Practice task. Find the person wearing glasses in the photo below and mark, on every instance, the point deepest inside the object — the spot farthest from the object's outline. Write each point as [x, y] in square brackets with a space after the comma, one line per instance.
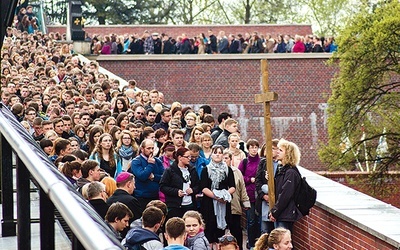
[127, 148]
[228, 242]
[217, 184]
[180, 184]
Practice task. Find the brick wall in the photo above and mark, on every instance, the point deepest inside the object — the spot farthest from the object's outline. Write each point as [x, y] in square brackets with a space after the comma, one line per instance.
[230, 83]
[387, 190]
[324, 230]
[191, 30]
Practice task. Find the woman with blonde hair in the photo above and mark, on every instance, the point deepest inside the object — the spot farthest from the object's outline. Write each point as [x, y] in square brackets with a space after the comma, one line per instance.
[195, 136]
[206, 144]
[287, 179]
[279, 239]
[109, 123]
[194, 224]
[237, 154]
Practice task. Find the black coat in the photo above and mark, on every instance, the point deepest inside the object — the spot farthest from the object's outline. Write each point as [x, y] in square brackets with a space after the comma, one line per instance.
[100, 206]
[287, 181]
[172, 181]
[131, 202]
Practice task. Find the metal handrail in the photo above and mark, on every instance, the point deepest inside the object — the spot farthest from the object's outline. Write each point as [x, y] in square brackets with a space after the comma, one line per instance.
[64, 199]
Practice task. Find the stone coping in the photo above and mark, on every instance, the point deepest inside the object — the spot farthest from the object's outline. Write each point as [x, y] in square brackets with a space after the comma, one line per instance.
[380, 219]
[191, 57]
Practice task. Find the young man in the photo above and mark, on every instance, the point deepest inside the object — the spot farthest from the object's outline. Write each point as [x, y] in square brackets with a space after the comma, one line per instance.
[175, 233]
[90, 172]
[230, 126]
[117, 218]
[146, 236]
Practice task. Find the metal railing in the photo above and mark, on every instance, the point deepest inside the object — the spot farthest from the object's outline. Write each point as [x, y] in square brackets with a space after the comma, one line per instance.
[55, 192]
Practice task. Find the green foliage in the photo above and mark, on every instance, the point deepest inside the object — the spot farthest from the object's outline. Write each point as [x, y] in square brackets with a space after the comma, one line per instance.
[365, 94]
[128, 12]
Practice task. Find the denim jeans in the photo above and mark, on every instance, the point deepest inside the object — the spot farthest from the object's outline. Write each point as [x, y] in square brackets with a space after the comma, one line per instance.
[253, 225]
[285, 224]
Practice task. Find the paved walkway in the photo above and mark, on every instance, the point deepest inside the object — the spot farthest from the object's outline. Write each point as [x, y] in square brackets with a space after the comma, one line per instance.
[10, 243]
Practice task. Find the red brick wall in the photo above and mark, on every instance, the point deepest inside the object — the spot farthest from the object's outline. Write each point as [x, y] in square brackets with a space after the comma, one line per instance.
[303, 85]
[191, 30]
[323, 230]
[387, 191]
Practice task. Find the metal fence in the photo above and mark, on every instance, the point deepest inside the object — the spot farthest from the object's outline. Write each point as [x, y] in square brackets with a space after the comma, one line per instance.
[55, 191]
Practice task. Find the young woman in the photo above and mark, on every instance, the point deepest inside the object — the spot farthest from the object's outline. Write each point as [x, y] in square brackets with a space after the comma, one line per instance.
[279, 239]
[105, 156]
[195, 136]
[122, 120]
[109, 123]
[196, 240]
[167, 151]
[94, 135]
[206, 144]
[180, 184]
[80, 135]
[72, 170]
[237, 154]
[217, 183]
[127, 148]
[287, 179]
[120, 106]
[115, 132]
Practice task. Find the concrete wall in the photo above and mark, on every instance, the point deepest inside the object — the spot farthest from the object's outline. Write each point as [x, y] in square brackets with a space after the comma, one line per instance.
[229, 83]
[190, 30]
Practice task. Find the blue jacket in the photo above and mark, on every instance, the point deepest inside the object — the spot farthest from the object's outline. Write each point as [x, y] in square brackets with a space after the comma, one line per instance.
[146, 188]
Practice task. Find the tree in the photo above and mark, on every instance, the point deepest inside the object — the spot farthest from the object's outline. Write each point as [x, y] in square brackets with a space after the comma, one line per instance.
[128, 12]
[262, 11]
[364, 118]
[328, 15]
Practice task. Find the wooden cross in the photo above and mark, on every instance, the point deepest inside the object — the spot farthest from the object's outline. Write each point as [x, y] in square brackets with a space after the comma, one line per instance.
[266, 97]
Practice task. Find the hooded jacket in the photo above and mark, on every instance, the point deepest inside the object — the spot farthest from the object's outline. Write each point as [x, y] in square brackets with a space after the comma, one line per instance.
[144, 237]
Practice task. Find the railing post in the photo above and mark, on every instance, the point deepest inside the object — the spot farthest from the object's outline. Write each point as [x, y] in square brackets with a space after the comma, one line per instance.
[8, 225]
[24, 206]
[47, 233]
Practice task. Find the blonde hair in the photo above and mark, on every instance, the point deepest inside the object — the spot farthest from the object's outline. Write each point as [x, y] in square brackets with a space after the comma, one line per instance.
[266, 241]
[196, 215]
[292, 152]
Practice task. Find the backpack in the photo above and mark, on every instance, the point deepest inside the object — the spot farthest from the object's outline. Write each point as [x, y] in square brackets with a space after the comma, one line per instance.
[305, 196]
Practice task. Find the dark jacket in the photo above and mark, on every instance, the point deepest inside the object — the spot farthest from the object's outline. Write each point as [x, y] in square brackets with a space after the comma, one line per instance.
[172, 181]
[162, 125]
[234, 47]
[100, 206]
[185, 46]
[223, 139]
[286, 182]
[131, 202]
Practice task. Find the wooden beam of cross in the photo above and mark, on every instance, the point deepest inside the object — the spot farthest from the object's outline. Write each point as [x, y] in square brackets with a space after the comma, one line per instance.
[266, 97]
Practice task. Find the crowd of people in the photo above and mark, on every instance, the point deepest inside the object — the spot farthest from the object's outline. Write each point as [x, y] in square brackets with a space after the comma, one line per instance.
[147, 167]
[221, 43]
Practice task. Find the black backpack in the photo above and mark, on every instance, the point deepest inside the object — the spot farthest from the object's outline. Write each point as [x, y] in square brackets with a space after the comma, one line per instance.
[305, 196]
